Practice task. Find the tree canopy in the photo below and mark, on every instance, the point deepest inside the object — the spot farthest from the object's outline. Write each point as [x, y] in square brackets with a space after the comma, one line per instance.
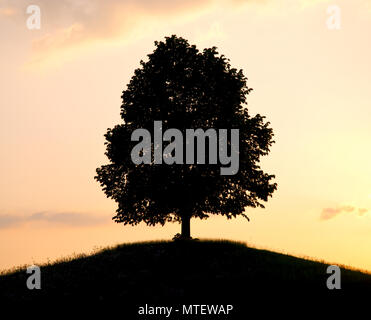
[185, 89]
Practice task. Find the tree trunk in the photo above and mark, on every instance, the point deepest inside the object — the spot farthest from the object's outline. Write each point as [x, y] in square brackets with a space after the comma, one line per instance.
[186, 227]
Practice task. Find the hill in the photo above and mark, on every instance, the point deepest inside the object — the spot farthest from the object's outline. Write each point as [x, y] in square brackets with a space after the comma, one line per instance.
[183, 272]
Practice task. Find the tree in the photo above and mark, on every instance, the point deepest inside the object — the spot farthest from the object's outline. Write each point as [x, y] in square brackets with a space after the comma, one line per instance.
[185, 88]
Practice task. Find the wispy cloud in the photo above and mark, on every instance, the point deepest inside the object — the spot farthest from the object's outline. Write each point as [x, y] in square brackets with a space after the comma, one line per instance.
[329, 213]
[7, 221]
[70, 23]
[362, 211]
[57, 218]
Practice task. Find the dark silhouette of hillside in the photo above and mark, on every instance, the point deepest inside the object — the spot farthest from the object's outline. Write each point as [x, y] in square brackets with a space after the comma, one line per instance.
[179, 272]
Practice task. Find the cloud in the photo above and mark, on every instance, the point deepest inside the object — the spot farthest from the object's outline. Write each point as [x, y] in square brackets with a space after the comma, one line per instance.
[329, 213]
[362, 211]
[7, 221]
[57, 218]
[69, 23]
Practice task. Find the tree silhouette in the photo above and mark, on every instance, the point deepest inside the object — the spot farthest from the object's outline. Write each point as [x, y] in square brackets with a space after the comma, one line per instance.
[185, 88]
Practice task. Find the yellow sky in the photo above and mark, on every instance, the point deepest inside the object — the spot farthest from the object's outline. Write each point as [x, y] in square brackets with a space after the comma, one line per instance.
[61, 88]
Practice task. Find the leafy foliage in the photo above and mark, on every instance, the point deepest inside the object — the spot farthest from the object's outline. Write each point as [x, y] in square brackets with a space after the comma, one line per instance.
[186, 89]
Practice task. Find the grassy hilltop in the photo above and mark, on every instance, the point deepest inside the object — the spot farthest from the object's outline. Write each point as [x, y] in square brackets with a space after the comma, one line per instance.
[193, 272]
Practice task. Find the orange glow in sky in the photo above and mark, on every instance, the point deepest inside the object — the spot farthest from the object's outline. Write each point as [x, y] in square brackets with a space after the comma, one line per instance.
[61, 87]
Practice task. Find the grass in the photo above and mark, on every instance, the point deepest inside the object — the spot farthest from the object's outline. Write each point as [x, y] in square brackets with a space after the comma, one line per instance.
[169, 272]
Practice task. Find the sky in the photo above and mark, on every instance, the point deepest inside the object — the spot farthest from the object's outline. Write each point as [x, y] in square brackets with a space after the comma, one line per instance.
[307, 61]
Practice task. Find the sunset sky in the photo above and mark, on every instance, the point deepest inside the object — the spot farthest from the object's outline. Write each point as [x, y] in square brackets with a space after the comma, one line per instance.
[61, 87]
